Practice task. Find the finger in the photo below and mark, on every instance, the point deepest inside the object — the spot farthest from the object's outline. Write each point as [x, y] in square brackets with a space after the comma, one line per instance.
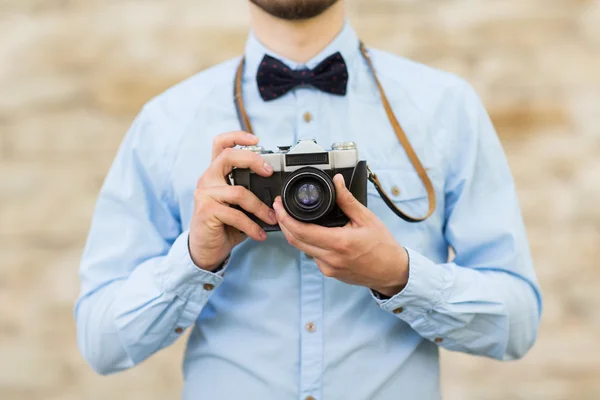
[244, 198]
[238, 237]
[239, 158]
[237, 219]
[326, 269]
[311, 234]
[347, 202]
[232, 139]
[313, 251]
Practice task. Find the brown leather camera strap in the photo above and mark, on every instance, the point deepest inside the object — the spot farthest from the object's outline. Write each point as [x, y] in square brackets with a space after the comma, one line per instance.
[239, 99]
[412, 156]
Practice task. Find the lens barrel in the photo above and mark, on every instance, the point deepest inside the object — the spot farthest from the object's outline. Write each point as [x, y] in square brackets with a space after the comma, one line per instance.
[308, 194]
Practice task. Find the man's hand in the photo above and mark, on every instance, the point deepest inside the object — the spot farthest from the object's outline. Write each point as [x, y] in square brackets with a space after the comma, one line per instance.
[364, 252]
[216, 228]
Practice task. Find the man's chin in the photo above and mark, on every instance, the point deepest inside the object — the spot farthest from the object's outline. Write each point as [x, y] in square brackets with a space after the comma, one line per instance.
[294, 10]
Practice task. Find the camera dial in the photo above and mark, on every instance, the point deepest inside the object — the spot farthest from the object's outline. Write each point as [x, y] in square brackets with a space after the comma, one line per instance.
[343, 146]
[254, 149]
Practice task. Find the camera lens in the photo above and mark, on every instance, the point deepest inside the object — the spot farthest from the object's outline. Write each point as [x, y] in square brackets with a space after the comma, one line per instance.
[308, 194]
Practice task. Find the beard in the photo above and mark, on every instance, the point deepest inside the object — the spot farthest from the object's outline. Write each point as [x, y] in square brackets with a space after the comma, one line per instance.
[294, 9]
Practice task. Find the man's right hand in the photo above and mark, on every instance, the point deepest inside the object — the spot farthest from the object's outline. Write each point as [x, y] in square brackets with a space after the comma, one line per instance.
[216, 228]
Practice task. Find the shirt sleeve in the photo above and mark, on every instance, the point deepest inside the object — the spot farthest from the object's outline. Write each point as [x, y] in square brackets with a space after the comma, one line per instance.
[486, 301]
[139, 286]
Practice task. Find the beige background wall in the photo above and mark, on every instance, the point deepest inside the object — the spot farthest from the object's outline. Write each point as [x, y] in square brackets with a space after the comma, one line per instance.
[73, 73]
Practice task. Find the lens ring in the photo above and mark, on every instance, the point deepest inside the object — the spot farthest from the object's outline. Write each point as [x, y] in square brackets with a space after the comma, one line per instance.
[316, 177]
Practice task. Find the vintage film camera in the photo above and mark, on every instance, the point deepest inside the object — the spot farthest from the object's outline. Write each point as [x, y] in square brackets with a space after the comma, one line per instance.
[303, 177]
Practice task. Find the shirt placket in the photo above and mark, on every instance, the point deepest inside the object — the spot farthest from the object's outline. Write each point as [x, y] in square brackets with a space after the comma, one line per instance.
[307, 116]
[311, 279]
[311, 335]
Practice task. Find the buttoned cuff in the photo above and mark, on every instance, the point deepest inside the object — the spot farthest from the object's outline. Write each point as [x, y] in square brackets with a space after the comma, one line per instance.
[424, 290]
[178, 274]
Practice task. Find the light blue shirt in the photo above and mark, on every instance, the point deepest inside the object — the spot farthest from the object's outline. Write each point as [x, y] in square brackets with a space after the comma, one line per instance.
[270, 325]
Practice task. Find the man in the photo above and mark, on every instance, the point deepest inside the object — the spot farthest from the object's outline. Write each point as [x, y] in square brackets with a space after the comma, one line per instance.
[356, 312]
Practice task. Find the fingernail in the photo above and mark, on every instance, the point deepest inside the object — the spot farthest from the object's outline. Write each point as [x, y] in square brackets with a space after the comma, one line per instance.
[272, 216]
[262, 234]
[268, 168]
[250, 136]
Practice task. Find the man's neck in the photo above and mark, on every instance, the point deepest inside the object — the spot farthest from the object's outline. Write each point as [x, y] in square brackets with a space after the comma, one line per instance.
[298, 41]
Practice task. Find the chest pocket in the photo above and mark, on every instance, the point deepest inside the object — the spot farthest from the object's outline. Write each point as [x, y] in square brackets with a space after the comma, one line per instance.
[405, 190]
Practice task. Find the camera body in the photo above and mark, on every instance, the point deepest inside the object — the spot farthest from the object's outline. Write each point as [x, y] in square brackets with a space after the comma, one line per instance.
[303, 177]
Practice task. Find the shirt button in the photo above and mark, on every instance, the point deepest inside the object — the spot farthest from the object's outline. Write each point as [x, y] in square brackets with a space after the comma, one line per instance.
[395, 190]
[311, 327]
[308, 117]
[438, 340]
[178, 330]
[209, 286]
[398, 310]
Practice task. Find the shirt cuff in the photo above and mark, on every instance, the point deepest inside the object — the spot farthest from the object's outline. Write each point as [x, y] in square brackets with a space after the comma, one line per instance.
[424, 290]
[178, 274]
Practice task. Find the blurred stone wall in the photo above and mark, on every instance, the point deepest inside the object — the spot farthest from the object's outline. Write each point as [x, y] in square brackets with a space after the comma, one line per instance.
[73, 73]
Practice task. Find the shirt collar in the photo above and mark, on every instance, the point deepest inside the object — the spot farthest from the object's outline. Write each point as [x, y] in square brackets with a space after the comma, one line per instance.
[346, 42]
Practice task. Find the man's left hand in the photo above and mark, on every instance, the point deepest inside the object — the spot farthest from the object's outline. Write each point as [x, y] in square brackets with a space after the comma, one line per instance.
[364, 252]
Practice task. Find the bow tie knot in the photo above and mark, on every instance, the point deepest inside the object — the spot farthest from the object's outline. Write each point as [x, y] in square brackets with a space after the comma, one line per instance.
[275, 79]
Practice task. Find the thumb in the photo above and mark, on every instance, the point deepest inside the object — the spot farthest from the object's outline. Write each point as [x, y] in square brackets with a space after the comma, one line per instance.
[347, 202]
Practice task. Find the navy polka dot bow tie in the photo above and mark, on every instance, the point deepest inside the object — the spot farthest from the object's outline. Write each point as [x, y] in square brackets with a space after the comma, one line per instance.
[275, 79]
